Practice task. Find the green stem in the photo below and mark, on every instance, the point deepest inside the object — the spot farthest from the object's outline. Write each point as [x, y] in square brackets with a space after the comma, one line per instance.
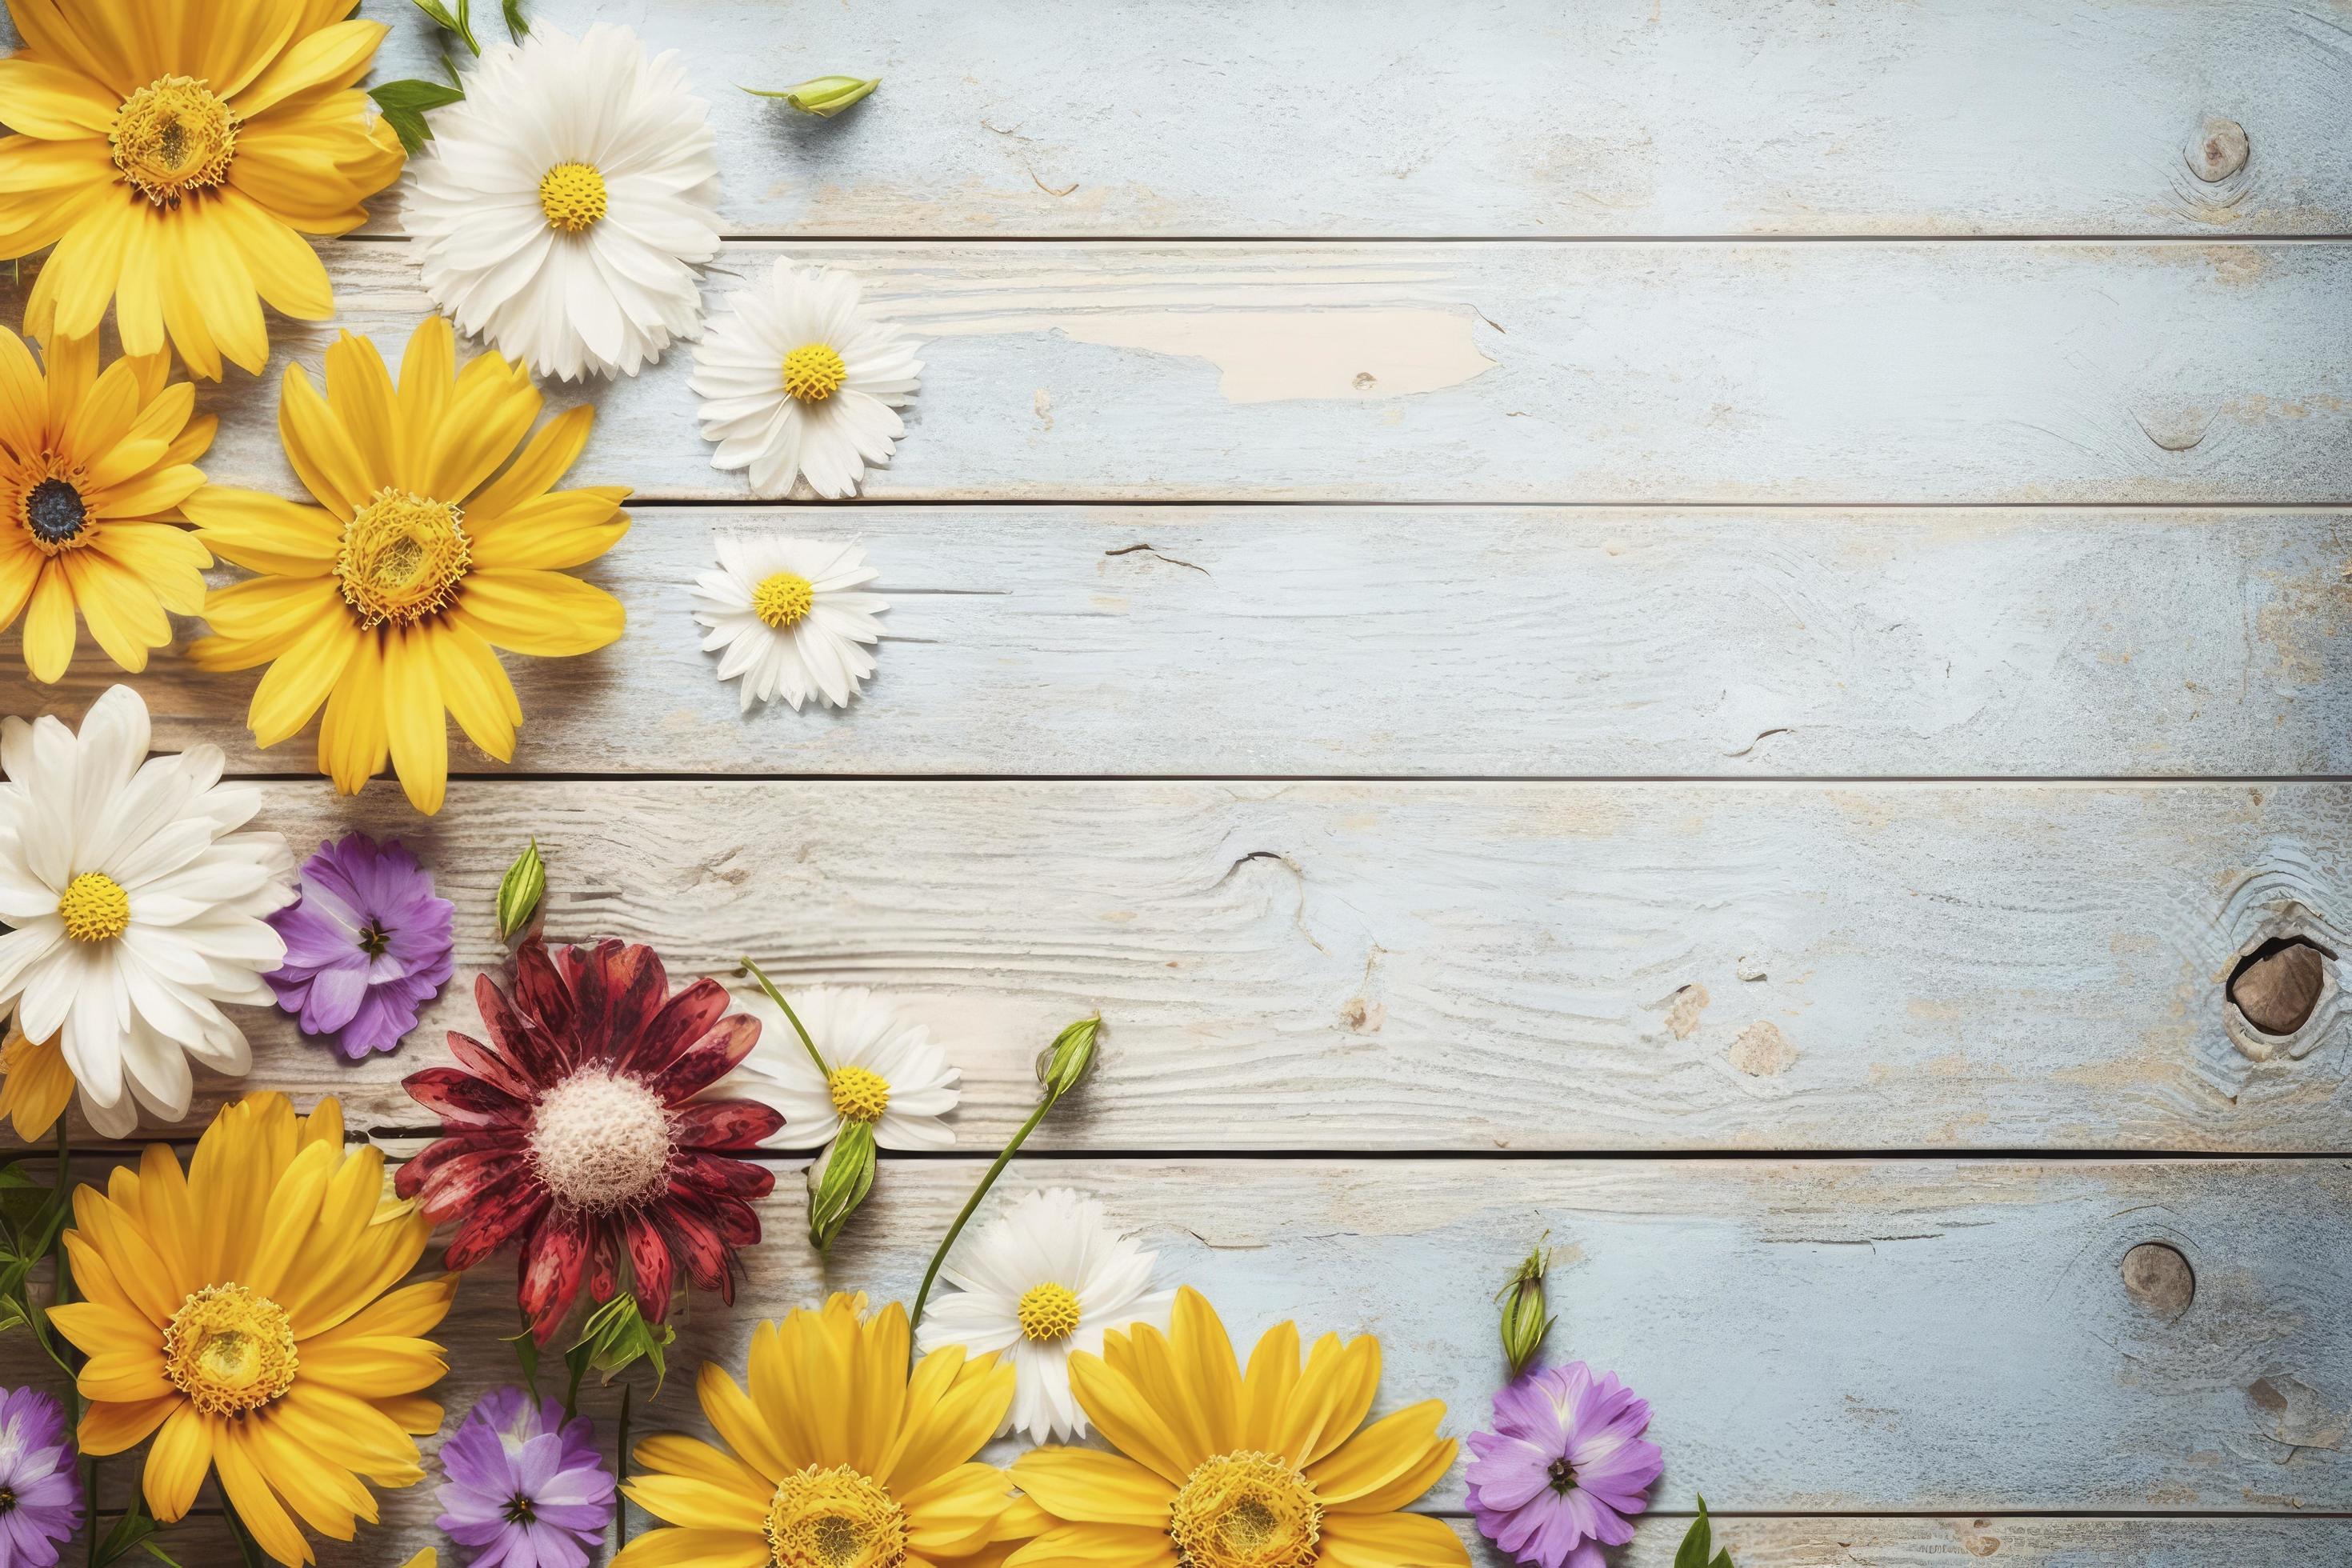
[620, 1471]
[571, 1391]
[248, 1548]
[931, 1274]
[777, 996]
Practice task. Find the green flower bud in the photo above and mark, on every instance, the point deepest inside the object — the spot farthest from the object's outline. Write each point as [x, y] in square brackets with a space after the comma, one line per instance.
[520, 892]
[835, 1190]
[1065, 1064]
[1524, 1323]
[824, 96]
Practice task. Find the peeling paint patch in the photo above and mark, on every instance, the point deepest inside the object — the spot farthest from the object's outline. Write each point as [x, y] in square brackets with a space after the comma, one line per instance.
[1762, 1050]
[1682, 1018]
[1277, 356]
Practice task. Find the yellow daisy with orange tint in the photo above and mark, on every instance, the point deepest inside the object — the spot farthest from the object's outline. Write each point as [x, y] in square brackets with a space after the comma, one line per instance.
[93, 470]
[426, 550]
[244, 1313]
[1219, 1467]
[176, 152]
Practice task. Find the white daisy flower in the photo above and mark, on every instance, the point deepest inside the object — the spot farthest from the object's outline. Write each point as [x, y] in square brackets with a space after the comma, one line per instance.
[795, 377]
[785, 612]
[137, 907]
[564, 205]
[885, 1070]
[1047, 1278]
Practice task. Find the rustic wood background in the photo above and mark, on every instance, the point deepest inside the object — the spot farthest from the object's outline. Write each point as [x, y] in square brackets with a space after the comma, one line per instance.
[1702, 625]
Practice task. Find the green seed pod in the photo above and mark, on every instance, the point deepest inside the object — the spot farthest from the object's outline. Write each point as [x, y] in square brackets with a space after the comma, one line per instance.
[1525, 1323]
[1065, 1064]
[824, 96]
[520, 892]
[835, 1192]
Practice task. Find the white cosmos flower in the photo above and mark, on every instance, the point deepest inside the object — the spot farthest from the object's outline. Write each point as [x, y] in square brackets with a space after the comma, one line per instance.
[1047, 1278]
[885, 1070]
[138, 907]
[795, 377]
[564, 205]
[786, 612]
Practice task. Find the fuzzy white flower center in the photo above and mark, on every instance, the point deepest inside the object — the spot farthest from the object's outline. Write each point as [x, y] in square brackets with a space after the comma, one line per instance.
[172, 137]
[1048, 1311]
[859, 1095]
[600, 1140]
[572, 198]
[814, 371]
[94, 908]
[784, 599]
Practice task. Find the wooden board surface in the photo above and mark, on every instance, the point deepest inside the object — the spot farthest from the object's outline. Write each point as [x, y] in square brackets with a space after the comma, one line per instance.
[1400, 641]
[1461, 967]
[1176, 118]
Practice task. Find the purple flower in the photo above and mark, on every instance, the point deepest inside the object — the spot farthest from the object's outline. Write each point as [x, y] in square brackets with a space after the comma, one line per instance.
[1563, 1467]
[366, 948]
[40, 1491]
[525, 1486]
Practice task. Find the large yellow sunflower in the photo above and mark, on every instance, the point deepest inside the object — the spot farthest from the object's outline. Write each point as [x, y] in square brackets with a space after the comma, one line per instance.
[93, 469]
[239, 1313]
[842, 1457]
[1219, 1469]
[383, 601]
[175, 151]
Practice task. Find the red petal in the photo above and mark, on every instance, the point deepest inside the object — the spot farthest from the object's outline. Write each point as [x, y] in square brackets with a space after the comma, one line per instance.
[411, 1176]
[505, 1215]
[492, 1068]
[696, 1243]
[722, 1124]
[605, 1273]
[552, 1262]
[461, 1100]
[707, 1060]
[621, 987]
[541, 994]
[453, 1186]
[736, 1178]
[650, 1261]
[536, 1056]
[683, 1019]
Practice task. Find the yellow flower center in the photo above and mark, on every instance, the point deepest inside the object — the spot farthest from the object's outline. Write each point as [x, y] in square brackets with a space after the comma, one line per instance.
[172, 137]
[1049, 1311]
[813, 372]
[229, 1349]
[1245, 1510]
[572, 198]
[49, 505]
[94, 908]
[600, 1140]
[402, 555]
[859, 1095]
[834, 1519]
[783, 598]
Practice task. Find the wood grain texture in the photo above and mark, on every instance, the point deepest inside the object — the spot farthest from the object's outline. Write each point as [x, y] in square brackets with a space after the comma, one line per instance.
[1590, 643]
[1834, 374]
[1512, 117]
[1461, 967]
[1753, 1302]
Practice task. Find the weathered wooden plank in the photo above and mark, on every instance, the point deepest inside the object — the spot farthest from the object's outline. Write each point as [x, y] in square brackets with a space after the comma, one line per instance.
[1143, 641]
[1755, 1543]
[1515, 116]
[1394, 965]
[1832, 375]
[1849, 1337]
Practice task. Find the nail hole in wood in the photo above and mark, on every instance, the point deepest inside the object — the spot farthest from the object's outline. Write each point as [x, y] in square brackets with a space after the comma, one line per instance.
[2277, 985]
[2158, 1278]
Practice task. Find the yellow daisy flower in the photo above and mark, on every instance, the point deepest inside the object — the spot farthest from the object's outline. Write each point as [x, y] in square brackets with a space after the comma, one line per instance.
[842, 1457]
[384, 600]
[93, 470]
[175, 153]
[1221, 1468]
[239, 1313]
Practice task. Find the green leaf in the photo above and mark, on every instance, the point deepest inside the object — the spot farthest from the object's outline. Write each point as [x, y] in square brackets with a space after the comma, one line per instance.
[520, 892]
[461, 23]
[824, 96]
[130, 1532]
[616, 1337]
[517, 28]
[1699, 1542]
[526, 1344]
[847, 1177]
[403, 103]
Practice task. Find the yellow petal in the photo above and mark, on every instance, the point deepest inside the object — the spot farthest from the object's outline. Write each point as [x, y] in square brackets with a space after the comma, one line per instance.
[178, 1463]
[1389, 1447]
[337, 55]
[546, 614]
[694, 1549]
[323, 452]
[415, 720]
[1120, 1411]
[263, 533]
[1083, 1485]
[480, 697]
[257, 1505]
[299, 680]
[284, 271]
[568, 528]
[354, 742]
[1390, 1540]
[49, 627]
[545, 459]
[111, 1429]
[54, 103]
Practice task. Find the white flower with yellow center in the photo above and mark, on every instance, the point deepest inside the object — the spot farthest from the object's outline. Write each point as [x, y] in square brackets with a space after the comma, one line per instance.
[1048, 1276]
[790, 620]
[565, 205]
[796, 378]
[138, 908]
[883, 1070]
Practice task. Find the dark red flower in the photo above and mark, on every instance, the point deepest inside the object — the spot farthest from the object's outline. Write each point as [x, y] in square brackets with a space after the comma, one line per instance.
[575, 1136]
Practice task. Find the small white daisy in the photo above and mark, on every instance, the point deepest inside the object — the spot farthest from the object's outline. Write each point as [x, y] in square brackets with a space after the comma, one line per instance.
[1048, 1277]
[564, 205]
[785, 612]
[885, 1070]
[138, 908]
[795, 377]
